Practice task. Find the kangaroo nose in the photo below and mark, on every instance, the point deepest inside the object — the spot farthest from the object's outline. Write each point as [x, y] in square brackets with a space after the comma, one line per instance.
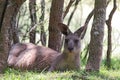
[70, 48]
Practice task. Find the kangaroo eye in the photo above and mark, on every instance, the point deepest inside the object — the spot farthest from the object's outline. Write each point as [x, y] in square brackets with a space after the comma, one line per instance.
[66, 40]
[76, 41]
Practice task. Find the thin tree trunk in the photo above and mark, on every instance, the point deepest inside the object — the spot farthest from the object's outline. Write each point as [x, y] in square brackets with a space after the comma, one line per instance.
[86, 22]
[67, 8]
[55, 17]
[43, 35]
[108, 22]
[32, 5]
[97, 34]
[14, 26]
[70, 18]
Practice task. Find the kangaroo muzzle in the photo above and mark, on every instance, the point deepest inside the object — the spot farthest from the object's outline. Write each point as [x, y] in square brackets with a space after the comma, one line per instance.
[71, 45]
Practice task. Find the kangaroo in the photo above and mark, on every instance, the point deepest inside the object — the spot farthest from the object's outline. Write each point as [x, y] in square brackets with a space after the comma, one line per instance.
[70, 58]
[27, 56]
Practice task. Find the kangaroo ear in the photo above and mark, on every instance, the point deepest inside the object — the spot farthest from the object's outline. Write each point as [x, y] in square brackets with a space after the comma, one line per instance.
[80, 31]
[64, 28]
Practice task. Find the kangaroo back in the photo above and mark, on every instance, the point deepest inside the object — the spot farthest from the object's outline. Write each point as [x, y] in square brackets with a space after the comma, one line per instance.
[17, 51]
[27, 56]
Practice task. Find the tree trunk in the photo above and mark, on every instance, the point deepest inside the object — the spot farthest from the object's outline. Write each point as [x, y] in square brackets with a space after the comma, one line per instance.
[55, 17]
[6, 29]
[14, 26]
[5, 35]
[97, 34]
[32, 5]
[3, 6]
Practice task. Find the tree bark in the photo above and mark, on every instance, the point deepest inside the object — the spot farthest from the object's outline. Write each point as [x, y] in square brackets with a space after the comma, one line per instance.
[97, 34]
[32, 5]
[3, 6]
[6, 29]
[55, 17]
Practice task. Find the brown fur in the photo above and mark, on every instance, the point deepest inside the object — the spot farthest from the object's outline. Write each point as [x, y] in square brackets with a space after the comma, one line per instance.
[70, 58]
[31, 57]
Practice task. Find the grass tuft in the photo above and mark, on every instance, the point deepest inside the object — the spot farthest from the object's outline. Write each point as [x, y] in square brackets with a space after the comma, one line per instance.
[104, 74]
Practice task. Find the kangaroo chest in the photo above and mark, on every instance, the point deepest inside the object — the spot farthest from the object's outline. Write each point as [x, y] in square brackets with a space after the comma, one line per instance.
[66, 64]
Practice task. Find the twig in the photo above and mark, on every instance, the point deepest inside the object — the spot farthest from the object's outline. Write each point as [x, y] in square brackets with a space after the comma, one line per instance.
[76, 4]
[111, 13]
[29, 30]
[68, 7]
[86, 22]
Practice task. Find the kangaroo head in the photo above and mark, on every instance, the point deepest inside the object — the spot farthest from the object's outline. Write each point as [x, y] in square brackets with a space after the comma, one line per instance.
[72, 40]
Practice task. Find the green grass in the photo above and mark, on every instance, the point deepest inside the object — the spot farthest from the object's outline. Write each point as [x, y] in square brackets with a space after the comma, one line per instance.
[104, 74]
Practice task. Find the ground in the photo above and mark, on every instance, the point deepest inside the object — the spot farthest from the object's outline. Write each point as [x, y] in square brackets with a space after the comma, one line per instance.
[104, 74]
[11, 74]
